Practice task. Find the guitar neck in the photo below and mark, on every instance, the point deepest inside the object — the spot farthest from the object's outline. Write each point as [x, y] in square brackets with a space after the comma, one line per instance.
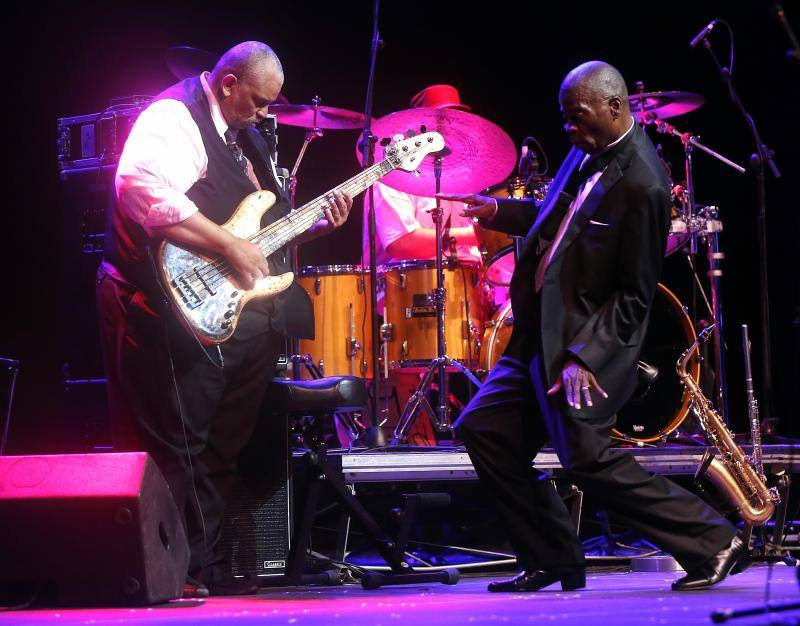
[279, 233]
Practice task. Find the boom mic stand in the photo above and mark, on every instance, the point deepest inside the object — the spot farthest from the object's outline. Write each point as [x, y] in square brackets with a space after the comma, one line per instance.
[704, 223]
[763, 155]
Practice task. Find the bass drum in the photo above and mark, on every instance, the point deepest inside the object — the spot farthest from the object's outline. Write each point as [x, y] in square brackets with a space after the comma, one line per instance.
[666, 404]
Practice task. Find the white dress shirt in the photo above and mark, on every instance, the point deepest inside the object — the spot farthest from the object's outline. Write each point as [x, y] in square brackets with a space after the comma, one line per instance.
[163, 157]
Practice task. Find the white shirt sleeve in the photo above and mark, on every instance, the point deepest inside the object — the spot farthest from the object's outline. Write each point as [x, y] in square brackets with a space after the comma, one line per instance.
[163, 157]
[395, 214]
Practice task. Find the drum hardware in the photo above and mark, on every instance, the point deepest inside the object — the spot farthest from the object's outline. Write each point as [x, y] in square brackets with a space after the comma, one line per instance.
[700, 224]
[439, 365]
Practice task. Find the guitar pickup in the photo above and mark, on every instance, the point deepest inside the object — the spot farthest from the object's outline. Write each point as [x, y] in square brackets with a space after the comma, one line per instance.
[188, 293]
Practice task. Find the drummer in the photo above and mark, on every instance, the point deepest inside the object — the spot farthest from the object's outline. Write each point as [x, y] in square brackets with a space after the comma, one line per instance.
[404, 225]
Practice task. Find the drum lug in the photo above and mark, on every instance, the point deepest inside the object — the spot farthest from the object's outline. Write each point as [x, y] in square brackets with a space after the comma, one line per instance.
[404, 349]
[387, 332]
[403, 280]
[321, 367]
[352, 346]
[360, 285]
[364, 367]
[317, 285]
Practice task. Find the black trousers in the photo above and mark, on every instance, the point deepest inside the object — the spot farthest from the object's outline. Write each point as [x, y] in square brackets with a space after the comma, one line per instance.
[169, 398]
[511, 418]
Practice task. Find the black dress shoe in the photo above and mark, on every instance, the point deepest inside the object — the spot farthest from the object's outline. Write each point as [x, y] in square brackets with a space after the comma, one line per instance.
[533, 580]
[714, 570]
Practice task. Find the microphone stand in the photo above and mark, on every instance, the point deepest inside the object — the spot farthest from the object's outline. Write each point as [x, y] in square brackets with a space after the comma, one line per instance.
[704, 223]
[368, 152]
[757, 160]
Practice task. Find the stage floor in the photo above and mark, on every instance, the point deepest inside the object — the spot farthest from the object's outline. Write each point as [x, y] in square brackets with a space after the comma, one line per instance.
[624, 598]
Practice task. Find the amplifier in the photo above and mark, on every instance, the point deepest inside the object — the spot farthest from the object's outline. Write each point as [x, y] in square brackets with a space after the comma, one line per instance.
[256, 528]
[96, 139]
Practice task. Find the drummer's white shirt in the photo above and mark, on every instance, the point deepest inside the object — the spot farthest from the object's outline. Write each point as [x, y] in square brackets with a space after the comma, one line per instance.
[163, 157]
[398, 213]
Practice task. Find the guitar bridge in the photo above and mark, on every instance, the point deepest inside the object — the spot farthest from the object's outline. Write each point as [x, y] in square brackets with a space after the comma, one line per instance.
[188, 293]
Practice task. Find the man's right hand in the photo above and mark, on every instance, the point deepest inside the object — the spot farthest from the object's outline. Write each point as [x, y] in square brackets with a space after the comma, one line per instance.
[247, 261]
[476, 206]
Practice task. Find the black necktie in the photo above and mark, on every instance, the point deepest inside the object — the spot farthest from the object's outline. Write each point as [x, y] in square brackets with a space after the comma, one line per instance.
[236, 151]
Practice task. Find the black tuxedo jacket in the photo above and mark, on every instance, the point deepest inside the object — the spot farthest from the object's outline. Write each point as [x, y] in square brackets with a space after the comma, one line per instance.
[597, 291]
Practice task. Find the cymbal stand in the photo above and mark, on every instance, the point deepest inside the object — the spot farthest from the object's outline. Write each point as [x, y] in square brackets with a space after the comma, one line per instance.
[418, 400]
[312, 133]
[703, 222]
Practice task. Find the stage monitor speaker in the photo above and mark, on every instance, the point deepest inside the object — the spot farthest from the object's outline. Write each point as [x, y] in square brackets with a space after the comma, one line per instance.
[89, 529]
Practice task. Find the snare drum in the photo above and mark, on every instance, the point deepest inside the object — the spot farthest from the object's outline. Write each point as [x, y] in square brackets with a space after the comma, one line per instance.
[342, 344]
[411, 312]
[666, 404]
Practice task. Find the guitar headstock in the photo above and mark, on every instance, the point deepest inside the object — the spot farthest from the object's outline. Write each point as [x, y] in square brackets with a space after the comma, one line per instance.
[407, 154]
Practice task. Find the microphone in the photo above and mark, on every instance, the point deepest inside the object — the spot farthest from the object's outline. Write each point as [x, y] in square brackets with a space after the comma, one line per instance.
[528, 160]
[703, 33]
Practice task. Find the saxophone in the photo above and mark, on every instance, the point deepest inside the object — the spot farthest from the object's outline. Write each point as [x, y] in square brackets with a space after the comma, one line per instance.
[730, 469]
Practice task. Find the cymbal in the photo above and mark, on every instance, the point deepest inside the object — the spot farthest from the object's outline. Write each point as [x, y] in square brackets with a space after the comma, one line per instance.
[664, 104]
[477, 152]
[328, 118]
[185, 61]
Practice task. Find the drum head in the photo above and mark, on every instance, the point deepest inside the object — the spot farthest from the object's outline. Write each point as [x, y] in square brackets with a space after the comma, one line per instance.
[665, 405]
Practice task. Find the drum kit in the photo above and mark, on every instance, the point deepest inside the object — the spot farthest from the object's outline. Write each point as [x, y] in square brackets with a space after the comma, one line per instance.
[448, 315]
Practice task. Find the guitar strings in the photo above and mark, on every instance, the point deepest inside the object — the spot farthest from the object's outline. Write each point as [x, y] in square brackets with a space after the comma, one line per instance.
[310, 213]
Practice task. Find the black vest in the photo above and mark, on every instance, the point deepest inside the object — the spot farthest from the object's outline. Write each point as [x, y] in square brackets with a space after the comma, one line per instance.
[217, 196]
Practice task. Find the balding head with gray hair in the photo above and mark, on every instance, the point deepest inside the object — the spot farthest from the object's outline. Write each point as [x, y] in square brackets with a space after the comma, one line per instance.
[246, 80]
[247, 61]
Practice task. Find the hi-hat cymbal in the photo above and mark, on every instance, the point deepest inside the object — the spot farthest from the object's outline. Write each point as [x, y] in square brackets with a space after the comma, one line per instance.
[185, 61]
[309, 116]
[664, 104]
[477, 152]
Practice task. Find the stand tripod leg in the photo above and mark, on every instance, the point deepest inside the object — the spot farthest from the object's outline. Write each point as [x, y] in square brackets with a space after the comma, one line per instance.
[413, 405]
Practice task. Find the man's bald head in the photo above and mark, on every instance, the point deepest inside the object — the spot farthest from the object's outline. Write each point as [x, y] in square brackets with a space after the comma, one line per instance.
[246, 80]
[598, 79]
[594, 102]
[246, 61]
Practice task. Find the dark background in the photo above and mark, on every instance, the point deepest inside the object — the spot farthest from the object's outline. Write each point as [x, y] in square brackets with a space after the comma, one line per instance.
[506, 58]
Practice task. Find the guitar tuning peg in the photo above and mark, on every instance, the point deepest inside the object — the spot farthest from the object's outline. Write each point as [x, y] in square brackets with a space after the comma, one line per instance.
[385, 141]
[398, 137]
[423, 129]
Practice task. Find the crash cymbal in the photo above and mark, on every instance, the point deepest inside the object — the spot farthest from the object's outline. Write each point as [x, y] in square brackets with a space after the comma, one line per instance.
[664, 104]
[185, 61]
[327, 118]
[477, 152]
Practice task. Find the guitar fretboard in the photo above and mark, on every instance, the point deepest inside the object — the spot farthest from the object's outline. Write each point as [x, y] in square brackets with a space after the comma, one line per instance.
[279, 233]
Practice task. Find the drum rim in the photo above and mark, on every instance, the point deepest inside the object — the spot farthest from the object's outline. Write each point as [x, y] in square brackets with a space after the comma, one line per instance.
[681, 414]
[487, 264]
[331, 270]
[428, 264]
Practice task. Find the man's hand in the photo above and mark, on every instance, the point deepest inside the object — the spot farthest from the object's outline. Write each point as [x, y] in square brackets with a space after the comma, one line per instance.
[576, 380]
[339, 205]
[247, 261]
[477, 206]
